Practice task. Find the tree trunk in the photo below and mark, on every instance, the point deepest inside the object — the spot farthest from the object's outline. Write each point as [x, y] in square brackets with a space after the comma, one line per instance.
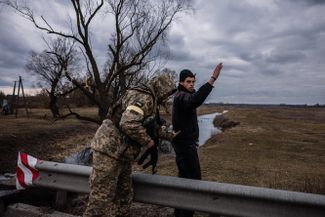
[105, 103]
[54, 105]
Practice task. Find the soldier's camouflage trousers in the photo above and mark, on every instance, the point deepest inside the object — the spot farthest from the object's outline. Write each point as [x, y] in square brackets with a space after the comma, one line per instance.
[111, 187]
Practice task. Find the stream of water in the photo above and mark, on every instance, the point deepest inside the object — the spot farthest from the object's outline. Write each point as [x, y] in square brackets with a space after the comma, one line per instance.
[206, 127]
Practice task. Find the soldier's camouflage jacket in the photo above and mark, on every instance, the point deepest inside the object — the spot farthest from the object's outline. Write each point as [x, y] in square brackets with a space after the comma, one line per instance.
[138, 104]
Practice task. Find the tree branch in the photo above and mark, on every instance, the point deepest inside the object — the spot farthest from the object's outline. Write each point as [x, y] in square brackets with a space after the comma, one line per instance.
[78, 116]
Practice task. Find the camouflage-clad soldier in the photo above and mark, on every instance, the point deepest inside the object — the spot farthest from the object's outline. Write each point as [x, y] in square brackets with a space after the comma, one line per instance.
[115, 147]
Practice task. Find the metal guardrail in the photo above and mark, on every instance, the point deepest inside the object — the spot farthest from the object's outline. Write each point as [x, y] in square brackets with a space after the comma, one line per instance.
[209, 197]
[62, 176]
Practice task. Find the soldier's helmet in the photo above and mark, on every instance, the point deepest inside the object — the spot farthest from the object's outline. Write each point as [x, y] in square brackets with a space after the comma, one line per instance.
[164, 85]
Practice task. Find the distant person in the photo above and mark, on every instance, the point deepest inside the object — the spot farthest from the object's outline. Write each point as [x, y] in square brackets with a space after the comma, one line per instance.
[5, 106]
[184, 119]
[117, 143]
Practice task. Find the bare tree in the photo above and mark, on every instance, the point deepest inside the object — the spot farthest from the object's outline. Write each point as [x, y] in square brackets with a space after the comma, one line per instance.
[140, 26]
[49, 66]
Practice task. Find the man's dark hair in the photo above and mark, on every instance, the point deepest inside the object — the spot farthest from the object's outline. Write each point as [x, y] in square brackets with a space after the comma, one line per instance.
[185, 73]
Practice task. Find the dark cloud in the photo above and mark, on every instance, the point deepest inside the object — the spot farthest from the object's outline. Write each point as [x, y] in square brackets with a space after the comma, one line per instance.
[12, 46]
[284, 56]
[5, 82]
[271, 71]
[177, 48]
[272, 50]
[309, 2]
[180, 55]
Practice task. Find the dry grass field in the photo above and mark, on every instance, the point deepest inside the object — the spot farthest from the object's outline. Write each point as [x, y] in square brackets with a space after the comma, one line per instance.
[280, 147]
[42, 137]
[276, 147]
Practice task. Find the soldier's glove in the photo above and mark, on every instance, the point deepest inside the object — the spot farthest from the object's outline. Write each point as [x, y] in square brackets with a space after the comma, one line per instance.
[153, 152]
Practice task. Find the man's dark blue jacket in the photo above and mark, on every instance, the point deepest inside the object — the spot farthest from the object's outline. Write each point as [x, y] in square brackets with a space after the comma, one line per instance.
[184, 114]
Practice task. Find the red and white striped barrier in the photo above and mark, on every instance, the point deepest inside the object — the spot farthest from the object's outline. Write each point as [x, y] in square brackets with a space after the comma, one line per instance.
[26, 172]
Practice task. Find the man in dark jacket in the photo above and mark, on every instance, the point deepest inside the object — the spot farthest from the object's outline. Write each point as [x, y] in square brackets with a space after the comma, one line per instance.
[184, 119]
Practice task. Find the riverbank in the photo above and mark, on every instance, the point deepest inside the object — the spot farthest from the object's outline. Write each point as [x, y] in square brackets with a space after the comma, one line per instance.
[280, 147]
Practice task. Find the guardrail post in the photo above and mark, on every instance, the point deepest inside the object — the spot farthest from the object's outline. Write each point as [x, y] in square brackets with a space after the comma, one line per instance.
[4, 195]
[61, 199]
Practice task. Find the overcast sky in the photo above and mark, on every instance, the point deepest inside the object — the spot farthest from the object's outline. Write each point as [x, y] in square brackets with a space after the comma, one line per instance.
[272, 50]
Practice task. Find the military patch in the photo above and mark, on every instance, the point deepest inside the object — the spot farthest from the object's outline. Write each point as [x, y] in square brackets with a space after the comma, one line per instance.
[139, 104]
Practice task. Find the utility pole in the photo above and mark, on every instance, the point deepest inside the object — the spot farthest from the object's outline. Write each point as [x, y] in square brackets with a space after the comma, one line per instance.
[16, 101]
[13, 99]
